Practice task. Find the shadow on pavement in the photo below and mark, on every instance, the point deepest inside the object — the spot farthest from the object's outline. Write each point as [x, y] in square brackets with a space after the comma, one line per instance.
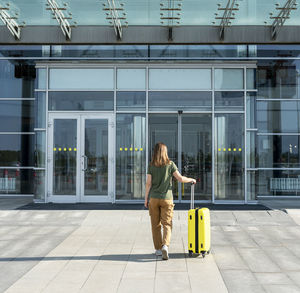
[104, 257]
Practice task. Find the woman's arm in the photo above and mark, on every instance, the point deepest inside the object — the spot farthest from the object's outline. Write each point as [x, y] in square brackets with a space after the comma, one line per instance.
[148, 186]
[183, 179]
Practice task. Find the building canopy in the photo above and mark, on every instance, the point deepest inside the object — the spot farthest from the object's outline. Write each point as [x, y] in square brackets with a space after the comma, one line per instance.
[172, 18]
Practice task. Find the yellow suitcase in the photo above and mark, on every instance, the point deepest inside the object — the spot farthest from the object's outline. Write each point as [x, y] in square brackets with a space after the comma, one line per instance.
[198, 229]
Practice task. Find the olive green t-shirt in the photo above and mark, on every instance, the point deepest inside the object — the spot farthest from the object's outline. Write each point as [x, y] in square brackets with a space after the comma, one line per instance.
[161, 186]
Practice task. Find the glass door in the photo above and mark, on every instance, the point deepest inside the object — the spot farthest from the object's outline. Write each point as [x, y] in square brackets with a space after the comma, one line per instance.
[80, 158]
[189, 141]
[96, 158]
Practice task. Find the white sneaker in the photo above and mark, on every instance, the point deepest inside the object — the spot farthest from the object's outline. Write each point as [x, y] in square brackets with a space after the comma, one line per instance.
[165, 254]
[158, 252]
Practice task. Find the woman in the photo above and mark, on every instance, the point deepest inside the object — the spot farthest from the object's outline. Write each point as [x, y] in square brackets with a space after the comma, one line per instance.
[159, 190]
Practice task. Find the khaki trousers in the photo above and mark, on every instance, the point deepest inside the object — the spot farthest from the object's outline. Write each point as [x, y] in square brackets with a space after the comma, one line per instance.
[161, 213]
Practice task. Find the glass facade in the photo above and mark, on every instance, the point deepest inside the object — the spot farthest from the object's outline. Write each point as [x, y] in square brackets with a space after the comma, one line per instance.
[233, 126]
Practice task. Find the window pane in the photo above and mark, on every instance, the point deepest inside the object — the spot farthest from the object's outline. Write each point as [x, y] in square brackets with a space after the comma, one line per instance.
[229, 156]
[16, 80]
[278, 79]
[251, 185]
[179, 79]
[229, 101]
[96, 155]
[162, 101]
[251, 79]
[16, 181]
[276, 151]
[16, 116]
[42, 78]
[64, 156]
[39, 184]
[230, 79]
[251, 110]
[196, 154]
[278, 116]
[164, 128]
[17, 150]
[40, 110]
[278, 182]
[131, 156]
[251, 149]
[81, 101]
[132, 79]
[40, 149]
[82, 79]
[127, 101]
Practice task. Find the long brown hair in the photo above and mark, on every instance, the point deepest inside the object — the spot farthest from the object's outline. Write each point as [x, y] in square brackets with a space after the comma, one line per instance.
[160, 155]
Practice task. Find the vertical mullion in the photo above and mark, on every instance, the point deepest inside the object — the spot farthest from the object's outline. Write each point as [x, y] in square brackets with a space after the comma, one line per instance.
[213, 135]
[179, 156]
[245, 137]
[114, 131]
[47, 190]
[147, 120]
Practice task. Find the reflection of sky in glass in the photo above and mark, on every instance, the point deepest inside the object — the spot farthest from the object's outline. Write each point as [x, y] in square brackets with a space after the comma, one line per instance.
[147, 12]
[278, 116]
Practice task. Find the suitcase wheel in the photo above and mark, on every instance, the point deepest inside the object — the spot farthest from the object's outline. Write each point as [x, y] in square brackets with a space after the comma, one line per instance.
[190, 253]
[208, 252]
[203, 254]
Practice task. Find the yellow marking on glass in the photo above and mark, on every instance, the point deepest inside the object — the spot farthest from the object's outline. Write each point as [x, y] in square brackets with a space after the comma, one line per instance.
[141, 149]
[234, 149]
[54, 149]
[219, 150]
[65, 149]
[229, 150]
[59, 149]
[75, 149]
[136, 149]
[131, 149]
[240, 149]
[121, 149]
[70, 149]
[126, 149]
[224, 150]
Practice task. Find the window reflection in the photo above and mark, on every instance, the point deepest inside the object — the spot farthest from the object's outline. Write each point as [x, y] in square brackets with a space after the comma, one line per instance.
[278, 116]
[278, 182]
[278, 79]
[277, 151]
[17, 150]
[16, 181]
[80, 101]
[16, 116]
[196, 155]
[188, 101]
[164, 128]
[131, 156]
[229, 157]
[17, 79]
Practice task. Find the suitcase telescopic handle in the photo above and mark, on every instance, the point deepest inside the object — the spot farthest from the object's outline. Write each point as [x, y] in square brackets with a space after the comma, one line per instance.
[192, 195]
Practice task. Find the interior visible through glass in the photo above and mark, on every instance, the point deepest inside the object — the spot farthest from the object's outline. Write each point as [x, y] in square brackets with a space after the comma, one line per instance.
[64, 156]
[96, 157]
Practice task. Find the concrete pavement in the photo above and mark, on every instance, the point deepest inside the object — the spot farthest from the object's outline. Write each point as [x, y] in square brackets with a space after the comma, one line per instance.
[111, 251]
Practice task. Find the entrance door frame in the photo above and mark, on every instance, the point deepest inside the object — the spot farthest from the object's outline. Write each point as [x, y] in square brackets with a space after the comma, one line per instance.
[81, 118]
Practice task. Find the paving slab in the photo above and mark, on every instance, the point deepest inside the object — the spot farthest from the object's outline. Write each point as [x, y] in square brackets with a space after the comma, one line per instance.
[105, 250]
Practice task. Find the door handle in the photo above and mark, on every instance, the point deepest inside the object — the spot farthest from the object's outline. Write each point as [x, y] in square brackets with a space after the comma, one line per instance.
[85, 158]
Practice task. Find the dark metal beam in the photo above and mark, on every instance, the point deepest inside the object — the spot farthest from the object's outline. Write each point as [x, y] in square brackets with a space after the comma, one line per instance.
[152, 35]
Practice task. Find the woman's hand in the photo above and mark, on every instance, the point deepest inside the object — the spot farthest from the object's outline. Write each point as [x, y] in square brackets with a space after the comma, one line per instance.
[146, 203]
